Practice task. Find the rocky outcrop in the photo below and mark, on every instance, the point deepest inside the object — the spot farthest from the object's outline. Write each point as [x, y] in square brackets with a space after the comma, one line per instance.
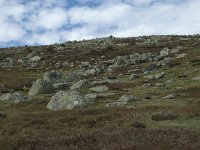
[68, 100]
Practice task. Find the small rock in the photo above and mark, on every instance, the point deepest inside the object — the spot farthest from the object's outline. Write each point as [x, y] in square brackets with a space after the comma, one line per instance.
[181, 55]
[65, 64]
[134, 76]
[91, 96]
[150, 67]
[127, 98]
[35, 59]
[196, 78]
[159, 75]
[31, 55]
[101, 88]
[61, 86]
[164, 52]
[170, 96]
[80, 84]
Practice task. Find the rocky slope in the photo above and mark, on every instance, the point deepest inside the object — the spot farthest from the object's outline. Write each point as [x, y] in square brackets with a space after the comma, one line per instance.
[157, 77]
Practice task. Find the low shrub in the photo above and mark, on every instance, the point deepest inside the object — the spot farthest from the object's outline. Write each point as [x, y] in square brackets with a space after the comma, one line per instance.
[162, 117]
[137, 124]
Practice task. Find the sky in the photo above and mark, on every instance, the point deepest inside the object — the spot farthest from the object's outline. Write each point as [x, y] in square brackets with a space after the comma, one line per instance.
[44, 22]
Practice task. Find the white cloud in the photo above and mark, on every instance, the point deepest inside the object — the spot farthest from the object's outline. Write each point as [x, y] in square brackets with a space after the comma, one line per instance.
[51, 21]
[52, 18]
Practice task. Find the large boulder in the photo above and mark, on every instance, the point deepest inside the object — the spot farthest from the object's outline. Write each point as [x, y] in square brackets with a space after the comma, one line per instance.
[41, 87]
[68, 100]
[14, 97]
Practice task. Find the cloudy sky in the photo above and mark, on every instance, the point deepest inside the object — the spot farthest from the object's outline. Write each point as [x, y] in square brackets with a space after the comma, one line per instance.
[39, 22]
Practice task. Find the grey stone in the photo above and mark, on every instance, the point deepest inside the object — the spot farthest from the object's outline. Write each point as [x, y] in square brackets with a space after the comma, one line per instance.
[134, 76]
[66, 64]
[150, 67]
[80, 84]
[101, 88]
[128, 98]
[170, 96]
[196, 78]
[41, 87]
[68, 100]
[54, 77]
[14, 97]
[147, 57]
[159, 75]
[61, 86]
[164, 52]
[31, 55]
[7, 63]
[91, 96]
[123, 100]
[181, 55]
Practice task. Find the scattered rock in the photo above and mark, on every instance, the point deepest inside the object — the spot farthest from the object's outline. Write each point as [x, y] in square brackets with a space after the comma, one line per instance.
[68, 100]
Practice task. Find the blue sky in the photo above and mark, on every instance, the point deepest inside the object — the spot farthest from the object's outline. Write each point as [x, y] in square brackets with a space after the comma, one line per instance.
[41, 22]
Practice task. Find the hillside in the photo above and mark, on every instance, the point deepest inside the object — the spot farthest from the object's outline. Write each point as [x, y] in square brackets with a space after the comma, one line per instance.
[105, 93]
